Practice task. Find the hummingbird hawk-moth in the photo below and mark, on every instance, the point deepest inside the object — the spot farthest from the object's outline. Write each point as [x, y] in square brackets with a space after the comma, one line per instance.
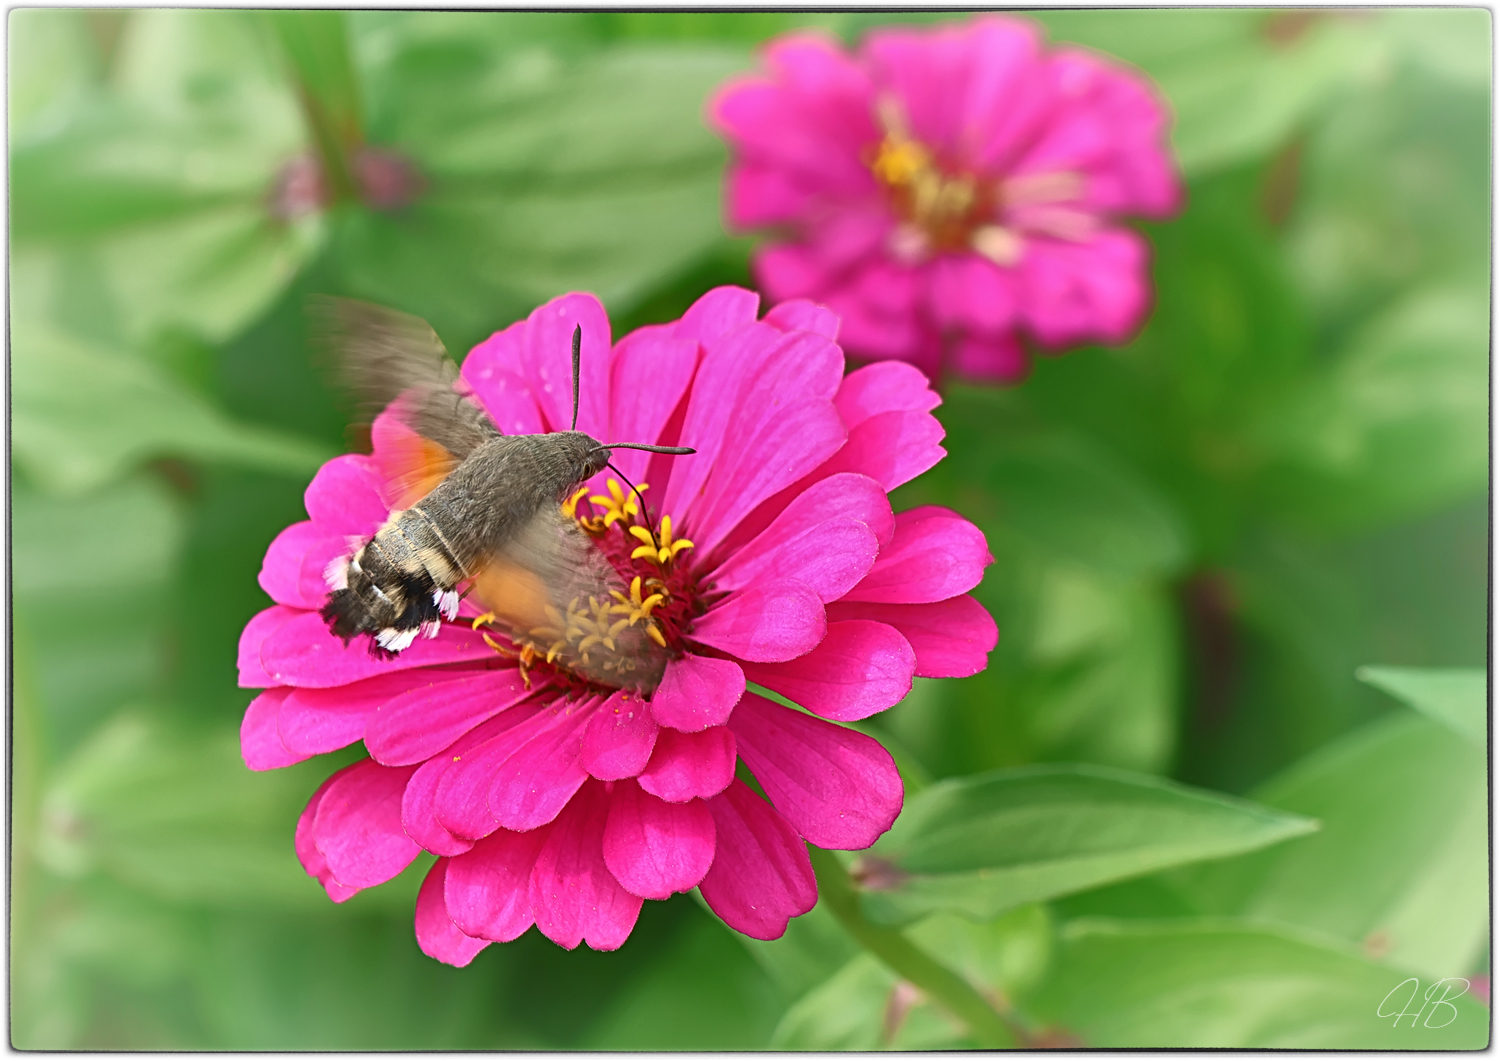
[474, 505]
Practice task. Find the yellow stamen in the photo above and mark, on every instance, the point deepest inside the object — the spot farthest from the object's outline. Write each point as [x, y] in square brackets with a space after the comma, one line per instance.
[619, 506]
[570, 506]
[649, 549]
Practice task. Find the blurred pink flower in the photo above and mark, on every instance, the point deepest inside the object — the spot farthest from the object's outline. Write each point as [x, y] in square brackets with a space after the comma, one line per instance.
[944, 190]
[557, 801]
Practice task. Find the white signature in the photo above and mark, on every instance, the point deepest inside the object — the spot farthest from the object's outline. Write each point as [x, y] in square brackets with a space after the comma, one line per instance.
[1450, 989]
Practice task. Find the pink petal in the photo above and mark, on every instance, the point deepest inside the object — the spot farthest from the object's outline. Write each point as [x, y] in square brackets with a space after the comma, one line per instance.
[547, 362]
[762, 460]
[313, 724]
[488, 892]
[800, 507]
[756, 194]
[419, 801]
[575, 896]
[265, 623]
[461, 801]
[982, 357]
[860, 668]
[1078, 291]
[795, 271]
[799, 314]
[307, 851]
[344, 497]
[437, 935]
[322, 720]
[1112, 128]
[302, 652]
[358, 825]
[651, 372]
[654, 848]
[838, 788]
[716, 313]
[492, 369]
[811, 119]
[688, 766]
[768, 623]
[536, 782]
[697, 692]
[967, 291]
[935, 554]
[952, 638]
[774, 378]
[716, 388]
[618, 739]
[260, 744]
[754, 392]
[761, 876]
[423, 721]
[892, 448]
[884, 387]
[282, 573]
[959, 80]
[880, 303]
[831, 557]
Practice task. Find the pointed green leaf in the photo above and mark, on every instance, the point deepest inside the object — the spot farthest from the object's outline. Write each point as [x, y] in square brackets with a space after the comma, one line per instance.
[1226, 984]
[1456, 697]
[1400, 867]
[981, 845]
[82, 416]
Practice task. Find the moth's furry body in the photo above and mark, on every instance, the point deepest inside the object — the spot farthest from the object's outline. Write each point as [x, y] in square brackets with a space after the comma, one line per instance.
[403, 580]
[481, 506]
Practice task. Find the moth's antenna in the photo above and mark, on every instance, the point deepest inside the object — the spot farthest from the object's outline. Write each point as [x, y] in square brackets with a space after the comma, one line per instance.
[676, 451]
[577, 347]
[645, 511]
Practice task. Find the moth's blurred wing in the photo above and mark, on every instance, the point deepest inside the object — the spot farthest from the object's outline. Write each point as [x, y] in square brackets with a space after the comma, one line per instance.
[530, 581]
[387, 357]
[410, 466]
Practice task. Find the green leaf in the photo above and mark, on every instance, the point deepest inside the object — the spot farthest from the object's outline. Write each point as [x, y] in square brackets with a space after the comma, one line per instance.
[978, 846]
[82, 416]
[861, 1007]
[548, 172]
[702, 993]
[1055, 488]
[1363, 236]
[1239, 82]
[1226, 984]
[1086, 671]
[1456, 697]
[1400, 867]
[55, 68]
[1398, 425]
[118, 549]
[811, 950]
[163, 181]
[1451, 43]
[178, 816]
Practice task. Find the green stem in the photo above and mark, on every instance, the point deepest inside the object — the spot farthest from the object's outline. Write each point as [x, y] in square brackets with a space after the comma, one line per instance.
[316, 46]
[905, 958]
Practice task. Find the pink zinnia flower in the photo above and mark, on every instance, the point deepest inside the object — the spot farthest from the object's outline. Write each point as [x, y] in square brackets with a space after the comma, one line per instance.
[559, 800]
[944, 190]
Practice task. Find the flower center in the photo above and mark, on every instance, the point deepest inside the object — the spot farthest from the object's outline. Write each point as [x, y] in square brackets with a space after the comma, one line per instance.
[944, 208]
[621, 633]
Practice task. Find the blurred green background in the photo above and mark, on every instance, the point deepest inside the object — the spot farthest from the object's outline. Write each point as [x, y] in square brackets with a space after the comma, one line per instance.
[1200, 537]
